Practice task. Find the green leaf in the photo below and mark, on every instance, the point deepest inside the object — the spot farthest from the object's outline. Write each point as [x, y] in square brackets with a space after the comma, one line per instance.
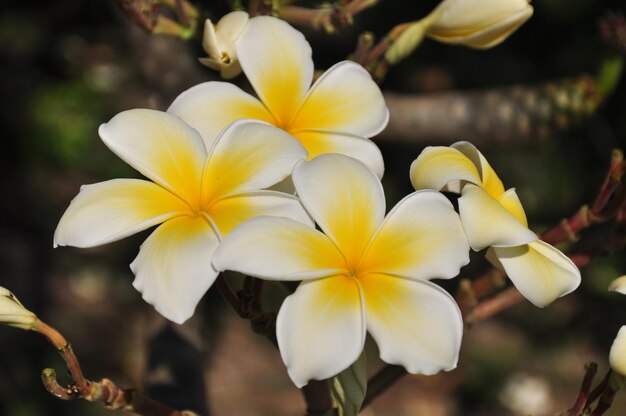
[349, 387]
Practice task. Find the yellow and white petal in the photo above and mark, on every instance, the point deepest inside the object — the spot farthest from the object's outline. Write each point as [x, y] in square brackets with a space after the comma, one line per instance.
[276, 58]
[173, 268]
[490, 180]
[539, 271]
[364, 150]
[227, 213]
[487, 223]
[438, 166]
[617, 356]
[321, 328]
[510, 201]
[344, 197]
[619, 285]
[421, 238]
[278, 248]
[160, 146]
[331, 103]
[249, 155]
[211, 106]
[415, 323]
[109, 211]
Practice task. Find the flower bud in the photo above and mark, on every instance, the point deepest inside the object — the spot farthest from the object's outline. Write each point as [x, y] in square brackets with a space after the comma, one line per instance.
[12, 312]
[479, 24]
[619, 285]
[617, 356]
[219, 43]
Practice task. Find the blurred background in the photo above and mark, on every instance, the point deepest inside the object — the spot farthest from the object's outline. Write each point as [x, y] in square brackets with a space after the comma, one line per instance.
[68, 66]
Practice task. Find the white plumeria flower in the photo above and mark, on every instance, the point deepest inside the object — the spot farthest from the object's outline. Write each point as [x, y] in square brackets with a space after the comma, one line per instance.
[198, 196]
[12, 312]
[480, 24]
[219, 40]
[364, 273]
[494, 218]
[617, 356]
[336, 115]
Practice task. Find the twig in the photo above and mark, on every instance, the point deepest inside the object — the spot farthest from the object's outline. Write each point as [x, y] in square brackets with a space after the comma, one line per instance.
[381, 381]
[105, 390]
[330, 18]
[590, 372]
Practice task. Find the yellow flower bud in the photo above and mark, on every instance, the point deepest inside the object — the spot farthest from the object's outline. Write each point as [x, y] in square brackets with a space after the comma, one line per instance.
[617, 356]
[479, 24]
[219, 43]
[12, 312]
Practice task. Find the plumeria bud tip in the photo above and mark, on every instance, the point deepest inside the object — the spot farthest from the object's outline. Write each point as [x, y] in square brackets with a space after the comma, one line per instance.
[12, 312]
[219, 43]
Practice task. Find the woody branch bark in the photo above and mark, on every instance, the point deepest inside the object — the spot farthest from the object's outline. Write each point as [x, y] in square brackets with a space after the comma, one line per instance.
[105, 390]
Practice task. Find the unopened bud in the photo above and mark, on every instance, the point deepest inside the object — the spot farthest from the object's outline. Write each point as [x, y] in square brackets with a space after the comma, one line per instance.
[12, 312]
[617, 356]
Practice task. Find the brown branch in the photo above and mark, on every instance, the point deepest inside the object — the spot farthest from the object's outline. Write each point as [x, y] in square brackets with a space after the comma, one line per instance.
[590, 373]
[381, 381]
[105, 390]
[330, 18]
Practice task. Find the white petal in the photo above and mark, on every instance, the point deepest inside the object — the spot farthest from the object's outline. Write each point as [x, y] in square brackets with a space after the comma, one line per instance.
[619, 285]
[539, 271]
[421, 238]
[345, 198]
[362, 149]
[321, 329]
[276, 58]
[617, 357]
[173, 268]
[415, 323]
[249, 155]
[109, 211]
[211, 106]
[227, 213]
[278, 249]
[330, 104]
[160, 146]
[437, 166]
[229, 28]
[487, 223]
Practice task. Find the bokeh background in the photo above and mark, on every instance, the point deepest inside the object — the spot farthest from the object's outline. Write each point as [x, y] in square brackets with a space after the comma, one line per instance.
[68, 66]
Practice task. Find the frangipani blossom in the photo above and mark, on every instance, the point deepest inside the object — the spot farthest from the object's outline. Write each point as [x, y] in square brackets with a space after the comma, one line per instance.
[219, 40]
[197, 196]
[338, 114]
[617, 356]
[364, 273]
[13, 313]
[480, 24]
[493, 217]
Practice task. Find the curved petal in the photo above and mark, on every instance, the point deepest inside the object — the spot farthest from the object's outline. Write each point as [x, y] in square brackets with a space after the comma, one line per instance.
[617, 356]
[330, 103]
[539, 271]
[510, 201]
[109, 211]
[437, 166]
[487, 223]
[421, 238]
[619, 285]
[362, 149]
[227, 213]
[415, 323]
[278, 249]
[173, 268]
[344, 197]
[276, 58]
[160, 146]
[490, 180]
[211, 106]
[247, 156]
[321, 328]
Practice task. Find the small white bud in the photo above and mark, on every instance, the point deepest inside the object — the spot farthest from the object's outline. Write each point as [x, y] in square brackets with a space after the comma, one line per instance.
[12, 312]
[617, 356]
[219, 43]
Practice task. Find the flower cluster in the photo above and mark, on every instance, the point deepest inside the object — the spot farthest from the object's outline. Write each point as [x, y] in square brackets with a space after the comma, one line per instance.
[210, 160]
